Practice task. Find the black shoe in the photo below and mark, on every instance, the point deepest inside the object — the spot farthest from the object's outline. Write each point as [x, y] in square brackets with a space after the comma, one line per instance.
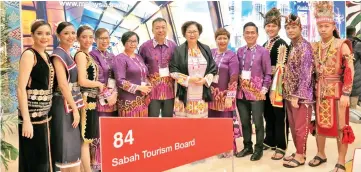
[244, 152]
[257, 155]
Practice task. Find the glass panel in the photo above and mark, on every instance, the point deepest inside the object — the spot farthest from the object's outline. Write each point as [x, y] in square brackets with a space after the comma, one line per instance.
[119, 32]
[143, 34]
[85, 20]
[123, 5]
[112, 16]
[106, 26]
[130, 22]
[145, 9]
[183, 11]
[92, 12]
[74, 13]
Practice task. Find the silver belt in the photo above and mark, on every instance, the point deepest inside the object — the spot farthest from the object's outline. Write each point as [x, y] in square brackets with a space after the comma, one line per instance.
[40, 98]
[38, 92]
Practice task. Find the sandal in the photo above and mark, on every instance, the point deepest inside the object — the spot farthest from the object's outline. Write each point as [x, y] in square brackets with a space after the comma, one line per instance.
[225, 155]
[278, 152]
[339, 166]
[320, 161]
[291, 157]
[294, 161]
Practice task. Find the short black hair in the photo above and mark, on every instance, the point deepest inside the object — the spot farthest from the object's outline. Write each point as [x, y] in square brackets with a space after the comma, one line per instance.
[127, 35]
[159, 19]
[250, 24]
[188, 23]
[350, 30]
[62, 26]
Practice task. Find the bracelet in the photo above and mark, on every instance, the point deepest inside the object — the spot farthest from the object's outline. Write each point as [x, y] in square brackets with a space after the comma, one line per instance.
[346, 94]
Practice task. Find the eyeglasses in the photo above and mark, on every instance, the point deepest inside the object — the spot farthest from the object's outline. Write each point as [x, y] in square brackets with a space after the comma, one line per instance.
[104, 38]
[192, 32]
[132, 42]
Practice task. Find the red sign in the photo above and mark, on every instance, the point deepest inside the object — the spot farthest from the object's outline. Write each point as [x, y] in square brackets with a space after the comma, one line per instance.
[158, 144]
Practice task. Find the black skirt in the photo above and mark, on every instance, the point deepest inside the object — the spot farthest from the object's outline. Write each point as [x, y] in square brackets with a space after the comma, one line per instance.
[65, 140]
[89, 120]
[38, 146]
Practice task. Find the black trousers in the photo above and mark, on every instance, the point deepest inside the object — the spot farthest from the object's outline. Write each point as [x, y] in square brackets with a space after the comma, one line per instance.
[156, 106]
[255, 109]
[276, 126]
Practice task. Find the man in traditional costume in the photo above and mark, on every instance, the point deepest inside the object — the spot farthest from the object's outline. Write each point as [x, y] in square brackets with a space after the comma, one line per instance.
[275, 115]
[334, 70]
[298, 84]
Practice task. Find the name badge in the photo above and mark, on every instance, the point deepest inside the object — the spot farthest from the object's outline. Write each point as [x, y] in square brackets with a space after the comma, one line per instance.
[215, 79]
[102, 101]
[246, 75]
[163, 72]
[111, 83]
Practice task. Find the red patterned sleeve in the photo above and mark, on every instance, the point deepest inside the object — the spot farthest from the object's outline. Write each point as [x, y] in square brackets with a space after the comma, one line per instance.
[348, 73]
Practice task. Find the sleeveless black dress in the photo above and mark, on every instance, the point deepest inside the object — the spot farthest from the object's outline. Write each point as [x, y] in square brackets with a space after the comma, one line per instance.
[89, 120]
[39, 93]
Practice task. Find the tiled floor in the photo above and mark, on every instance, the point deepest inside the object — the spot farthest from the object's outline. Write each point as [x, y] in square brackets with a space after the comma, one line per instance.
[214, 164]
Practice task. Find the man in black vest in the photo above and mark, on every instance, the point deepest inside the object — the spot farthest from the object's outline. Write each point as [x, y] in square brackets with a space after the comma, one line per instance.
[274, 113]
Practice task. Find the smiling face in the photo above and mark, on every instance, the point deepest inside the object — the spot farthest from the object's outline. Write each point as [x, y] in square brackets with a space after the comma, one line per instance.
[272, 30]
[42, 36]
[192, 33]
[159, 30]
[222, 42]
[131, 44]
[103, 41]
[250, 35]
[86, 39]
[67, 36]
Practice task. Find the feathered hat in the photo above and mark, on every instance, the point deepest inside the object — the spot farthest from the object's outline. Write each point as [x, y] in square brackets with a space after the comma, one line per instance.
[272, 16]
[324, 11]
[290, 21]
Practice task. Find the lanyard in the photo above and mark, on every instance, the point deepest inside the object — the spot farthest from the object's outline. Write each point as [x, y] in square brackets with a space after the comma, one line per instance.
[141, 67]
[160, 60]
[219, 64]
[244, 58]
[106, 61]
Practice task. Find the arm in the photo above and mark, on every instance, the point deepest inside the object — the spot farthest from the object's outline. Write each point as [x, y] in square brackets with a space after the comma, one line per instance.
[143, 53]
[63, 82]
[347, 60]
[26, 65]
[120, 69]
[212, 68]
[306, 70]
[174, 68]
[267, 70]
[233, 73]
[81, 62]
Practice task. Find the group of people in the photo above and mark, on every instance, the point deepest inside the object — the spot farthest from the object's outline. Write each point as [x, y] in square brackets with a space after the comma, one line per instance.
[62, 97]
